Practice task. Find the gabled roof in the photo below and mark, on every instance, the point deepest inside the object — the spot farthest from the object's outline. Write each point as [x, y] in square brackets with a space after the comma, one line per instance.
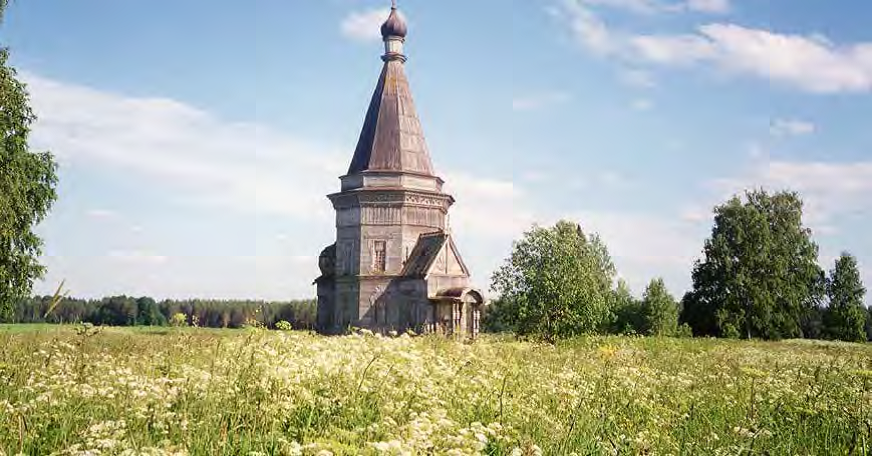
[426, 255]
[457, 294]
[392, 138]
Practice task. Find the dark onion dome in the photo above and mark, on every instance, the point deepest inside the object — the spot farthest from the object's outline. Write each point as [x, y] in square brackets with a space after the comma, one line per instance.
[395, 26]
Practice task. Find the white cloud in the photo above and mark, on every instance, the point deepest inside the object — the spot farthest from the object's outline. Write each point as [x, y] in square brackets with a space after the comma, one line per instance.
[539, 101]
[240, 166]
[101, 214]
[709, 6]
[829, 190]
[642, 104]
[488, 207]
[534, 176]
[810, 63]
[696, 213]
[664, 6]
[839, 187]
[638, 78]
[138, 257]
[805, 62]
[636, 6]
[756, 150]
[364, 26]
[612, 180]
[209, 164]
[646, 246]
[145, 273]
[671, 49]
[588, 28]
[791, 127]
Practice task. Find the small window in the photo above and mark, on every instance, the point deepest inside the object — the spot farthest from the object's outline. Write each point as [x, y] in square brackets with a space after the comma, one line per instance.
[379, 256]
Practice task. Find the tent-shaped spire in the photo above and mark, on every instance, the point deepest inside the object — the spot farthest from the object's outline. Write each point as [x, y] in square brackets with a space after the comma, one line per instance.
[391, 138]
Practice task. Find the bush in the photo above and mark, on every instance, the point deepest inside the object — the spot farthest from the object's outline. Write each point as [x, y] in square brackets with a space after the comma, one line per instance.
[684, 331]
[179, 320]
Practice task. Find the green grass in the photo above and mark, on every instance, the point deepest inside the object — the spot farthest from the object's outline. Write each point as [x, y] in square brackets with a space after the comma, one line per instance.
[72, 329]
[196, 391]
[29, 328]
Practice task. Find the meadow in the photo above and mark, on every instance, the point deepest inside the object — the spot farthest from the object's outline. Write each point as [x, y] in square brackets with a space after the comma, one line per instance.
[84, 391]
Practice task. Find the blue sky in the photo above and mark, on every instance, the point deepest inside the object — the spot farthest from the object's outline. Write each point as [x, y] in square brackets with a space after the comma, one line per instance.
[197, 139]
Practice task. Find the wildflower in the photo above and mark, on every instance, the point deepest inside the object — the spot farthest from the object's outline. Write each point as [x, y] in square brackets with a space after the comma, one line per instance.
[743, 432]
[608, 351]
[528, 450]
[752, 372]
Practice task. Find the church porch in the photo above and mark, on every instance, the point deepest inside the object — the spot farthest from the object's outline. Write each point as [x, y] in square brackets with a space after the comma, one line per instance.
[457, 313]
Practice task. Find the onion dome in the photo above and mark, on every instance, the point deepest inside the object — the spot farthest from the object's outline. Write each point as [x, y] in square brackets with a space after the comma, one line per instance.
[395, 26]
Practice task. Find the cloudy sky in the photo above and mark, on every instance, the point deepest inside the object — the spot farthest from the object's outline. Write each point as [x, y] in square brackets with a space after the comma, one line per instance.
[197, 139]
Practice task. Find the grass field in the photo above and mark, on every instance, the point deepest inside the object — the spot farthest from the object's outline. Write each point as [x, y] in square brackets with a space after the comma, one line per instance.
[212, 392]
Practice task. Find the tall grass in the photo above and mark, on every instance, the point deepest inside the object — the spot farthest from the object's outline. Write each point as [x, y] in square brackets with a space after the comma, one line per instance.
[116, 391]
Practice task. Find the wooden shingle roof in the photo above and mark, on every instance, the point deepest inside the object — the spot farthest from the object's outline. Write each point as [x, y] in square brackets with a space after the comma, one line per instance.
[424, 254]
[392, 138]
[434, 253]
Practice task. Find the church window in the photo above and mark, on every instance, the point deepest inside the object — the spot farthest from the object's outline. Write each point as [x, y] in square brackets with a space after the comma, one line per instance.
[379, 256]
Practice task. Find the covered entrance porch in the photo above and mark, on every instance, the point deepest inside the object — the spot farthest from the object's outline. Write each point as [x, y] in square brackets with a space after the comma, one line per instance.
[457, 312]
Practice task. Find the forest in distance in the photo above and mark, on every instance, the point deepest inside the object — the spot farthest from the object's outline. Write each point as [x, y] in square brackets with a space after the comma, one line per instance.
[145, 311]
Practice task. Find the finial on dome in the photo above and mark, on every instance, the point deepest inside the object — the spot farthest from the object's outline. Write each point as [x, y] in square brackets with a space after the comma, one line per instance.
[395, 26]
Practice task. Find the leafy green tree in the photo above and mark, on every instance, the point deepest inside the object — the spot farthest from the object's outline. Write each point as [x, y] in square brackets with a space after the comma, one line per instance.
[627, 310]
[148, 313]
[497, 317]
[659, 310]
[697, 315]
[558, 283]
[845, 317]
[760, 274]
[812, 323]
[27, 190]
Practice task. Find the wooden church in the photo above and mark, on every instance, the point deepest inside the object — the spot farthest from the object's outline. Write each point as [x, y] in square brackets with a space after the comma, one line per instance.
[395, 265]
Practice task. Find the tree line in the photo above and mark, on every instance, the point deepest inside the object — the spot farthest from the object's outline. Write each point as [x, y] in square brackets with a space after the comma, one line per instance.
[759, 277]
[145, 311]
